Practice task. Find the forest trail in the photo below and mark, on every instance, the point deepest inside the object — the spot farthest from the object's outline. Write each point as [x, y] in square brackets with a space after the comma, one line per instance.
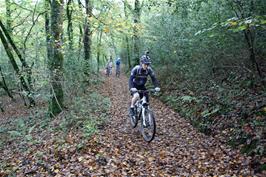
[177, 150]
[119, 150]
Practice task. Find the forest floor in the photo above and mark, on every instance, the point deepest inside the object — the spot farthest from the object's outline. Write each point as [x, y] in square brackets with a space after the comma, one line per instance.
[118, 150]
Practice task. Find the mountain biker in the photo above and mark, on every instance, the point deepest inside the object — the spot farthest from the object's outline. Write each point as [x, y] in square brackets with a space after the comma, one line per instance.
[117, 64]
[109, 66]
[138, 79]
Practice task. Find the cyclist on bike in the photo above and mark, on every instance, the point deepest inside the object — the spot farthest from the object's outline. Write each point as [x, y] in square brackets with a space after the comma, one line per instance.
[117, 64]
[138, 79]
[109, 66]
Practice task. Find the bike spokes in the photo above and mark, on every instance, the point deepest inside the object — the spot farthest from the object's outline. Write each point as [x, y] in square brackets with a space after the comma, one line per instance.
[117, 73]
[133, 118]
[148, 126]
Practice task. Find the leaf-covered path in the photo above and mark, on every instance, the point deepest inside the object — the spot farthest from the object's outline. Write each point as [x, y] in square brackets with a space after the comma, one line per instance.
[178, 149]
[118, 150]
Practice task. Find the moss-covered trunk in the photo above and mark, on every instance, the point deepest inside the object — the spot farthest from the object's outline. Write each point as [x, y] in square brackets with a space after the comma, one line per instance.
[87, 37]
[56, 64]
[136, 40]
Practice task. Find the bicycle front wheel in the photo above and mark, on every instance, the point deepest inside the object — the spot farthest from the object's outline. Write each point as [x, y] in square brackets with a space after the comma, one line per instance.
[133, 118]
[148, 125]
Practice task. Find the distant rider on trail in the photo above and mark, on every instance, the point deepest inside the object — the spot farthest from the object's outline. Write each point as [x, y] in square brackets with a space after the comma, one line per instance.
[109, 67]
[117, 66]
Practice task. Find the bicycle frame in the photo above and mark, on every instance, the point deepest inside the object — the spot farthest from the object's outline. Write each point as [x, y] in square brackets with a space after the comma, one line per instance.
[142, 104]
[117, 72]
[145, 115]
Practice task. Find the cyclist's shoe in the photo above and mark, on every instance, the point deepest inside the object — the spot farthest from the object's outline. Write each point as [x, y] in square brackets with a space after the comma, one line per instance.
[131, 112]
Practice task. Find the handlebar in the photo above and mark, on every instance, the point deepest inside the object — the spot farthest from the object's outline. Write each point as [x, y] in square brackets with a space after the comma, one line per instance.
[148, 90]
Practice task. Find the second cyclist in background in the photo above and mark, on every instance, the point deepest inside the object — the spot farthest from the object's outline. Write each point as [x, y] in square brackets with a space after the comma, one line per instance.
[109, 67]
[117, 67]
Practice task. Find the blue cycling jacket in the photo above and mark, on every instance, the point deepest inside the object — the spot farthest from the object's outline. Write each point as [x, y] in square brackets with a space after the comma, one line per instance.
[139, 76]
[117, 62]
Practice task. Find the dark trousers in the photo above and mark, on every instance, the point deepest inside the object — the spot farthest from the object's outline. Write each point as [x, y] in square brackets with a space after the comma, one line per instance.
[142, 87]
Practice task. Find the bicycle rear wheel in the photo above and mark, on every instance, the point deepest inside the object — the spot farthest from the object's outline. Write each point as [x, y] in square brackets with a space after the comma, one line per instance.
[117, 73]
[148, 125]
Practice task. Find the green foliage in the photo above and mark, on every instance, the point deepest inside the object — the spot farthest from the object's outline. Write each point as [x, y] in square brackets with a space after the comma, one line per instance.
[21, 129]
[201, 44]
[86, 113]
[188, 98]
[90, 126]
[208, 113]
[263, 167]
[236, 25]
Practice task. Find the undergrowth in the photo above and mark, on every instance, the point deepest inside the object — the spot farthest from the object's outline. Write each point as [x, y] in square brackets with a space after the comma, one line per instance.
[86, 112]
[233, 110]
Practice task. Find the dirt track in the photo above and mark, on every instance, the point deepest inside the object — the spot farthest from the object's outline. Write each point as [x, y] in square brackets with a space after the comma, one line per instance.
[118, 150]
[177, 150]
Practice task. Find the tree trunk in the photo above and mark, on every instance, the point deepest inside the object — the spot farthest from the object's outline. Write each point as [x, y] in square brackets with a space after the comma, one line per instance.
[98, 50]
[136, 45]
[87, 37]
[22, 60]
[127, 40]
[56, 68]
[249, 33]
[1, 107]
[27, 69]
[16, 68]
[80, 40]
[252, 56]
[105, 59]
[8, 17]
[69, 11]
[80, 32]
[113, 43]
[3, 84]
[48, 32]
[128, 54]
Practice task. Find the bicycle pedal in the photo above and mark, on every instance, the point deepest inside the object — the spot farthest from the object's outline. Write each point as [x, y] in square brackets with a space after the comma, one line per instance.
[145, 124]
